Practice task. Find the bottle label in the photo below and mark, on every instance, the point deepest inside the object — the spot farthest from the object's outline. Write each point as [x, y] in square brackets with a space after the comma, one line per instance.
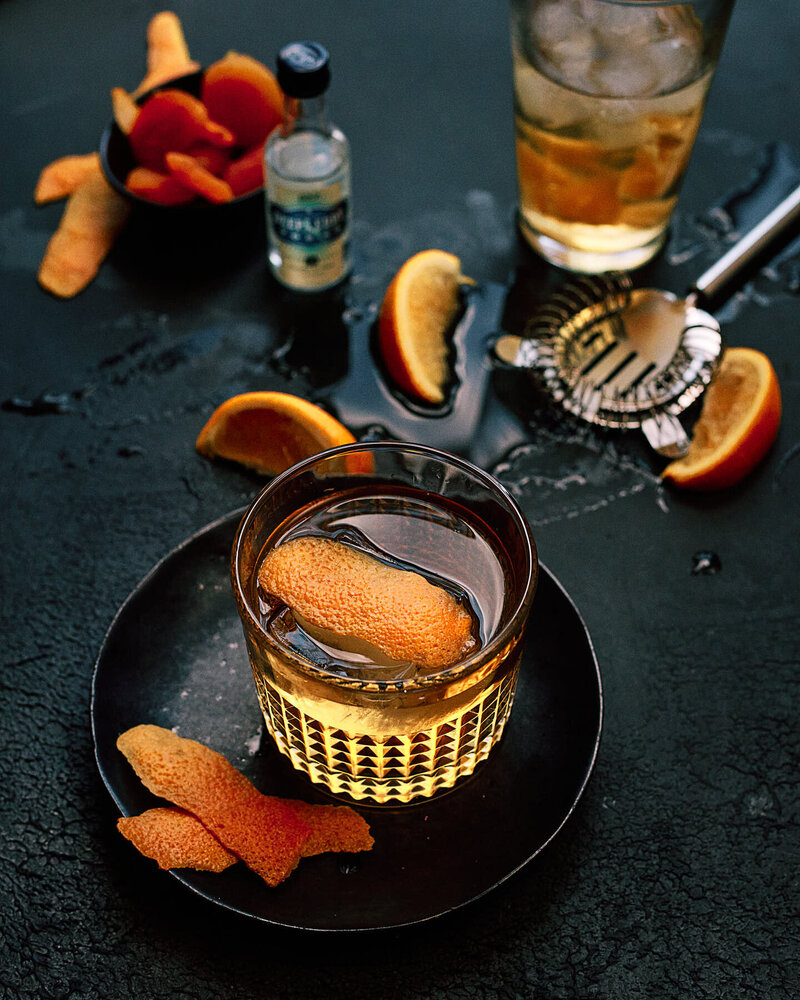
[309, 227]
[309, 235]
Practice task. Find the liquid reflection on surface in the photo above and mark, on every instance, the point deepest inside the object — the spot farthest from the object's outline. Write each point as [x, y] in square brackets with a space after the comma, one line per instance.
[503, 420]
[322, 348]
[557, 477]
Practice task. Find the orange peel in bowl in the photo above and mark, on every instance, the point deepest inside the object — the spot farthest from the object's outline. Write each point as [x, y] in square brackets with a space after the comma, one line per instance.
[243, 94]
[160, 188]
[737, 426]
[125, 109]
[417, 311]
[350, 593]
[190, 171]
[246, 173]
[172, 120]
[269, 431]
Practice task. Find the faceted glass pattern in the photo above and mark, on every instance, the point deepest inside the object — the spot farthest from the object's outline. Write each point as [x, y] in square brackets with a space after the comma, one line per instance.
[395, 768]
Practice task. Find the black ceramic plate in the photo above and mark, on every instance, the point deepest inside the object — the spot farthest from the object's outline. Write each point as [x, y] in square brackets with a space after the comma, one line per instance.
[174, 656]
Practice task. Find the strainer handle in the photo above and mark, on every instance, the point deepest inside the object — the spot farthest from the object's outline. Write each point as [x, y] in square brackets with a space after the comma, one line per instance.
[665, 434]
[711, 284]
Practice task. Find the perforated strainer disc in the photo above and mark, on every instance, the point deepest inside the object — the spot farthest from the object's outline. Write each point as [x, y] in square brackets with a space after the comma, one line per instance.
[619, 357]
[622, 357]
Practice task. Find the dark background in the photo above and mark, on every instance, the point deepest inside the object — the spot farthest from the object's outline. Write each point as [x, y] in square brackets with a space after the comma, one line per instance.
[677, 874]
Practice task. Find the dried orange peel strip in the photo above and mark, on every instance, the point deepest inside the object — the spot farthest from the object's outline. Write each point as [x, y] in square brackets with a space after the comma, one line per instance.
[175, 838]
[333, 828]
[167, 52]
[240, 92]
[95, 214]
[337, 587]
[262, 831]
[193, 175]
[246, 173]
[172, 120]
[163, 189]
[93, 218]
[61, 177]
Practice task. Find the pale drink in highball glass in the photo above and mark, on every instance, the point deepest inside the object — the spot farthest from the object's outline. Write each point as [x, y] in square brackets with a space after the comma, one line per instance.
[608, 98]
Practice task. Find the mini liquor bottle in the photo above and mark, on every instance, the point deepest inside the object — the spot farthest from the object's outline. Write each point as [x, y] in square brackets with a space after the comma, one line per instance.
[308, 178]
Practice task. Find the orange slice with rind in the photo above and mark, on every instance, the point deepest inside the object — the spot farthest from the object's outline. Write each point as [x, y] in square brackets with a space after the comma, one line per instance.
[737, 426]
[269, 431]
[417, 311]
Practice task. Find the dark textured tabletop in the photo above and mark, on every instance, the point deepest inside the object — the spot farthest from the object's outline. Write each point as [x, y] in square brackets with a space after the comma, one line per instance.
[676, 876]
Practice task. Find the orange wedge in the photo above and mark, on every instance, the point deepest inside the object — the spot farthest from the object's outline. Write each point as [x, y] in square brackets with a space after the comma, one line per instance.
[417, 311]
[269, 431]
[737, 426]
[352, 594]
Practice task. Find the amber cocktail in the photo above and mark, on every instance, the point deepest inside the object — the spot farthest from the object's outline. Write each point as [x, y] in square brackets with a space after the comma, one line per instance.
[384, 590]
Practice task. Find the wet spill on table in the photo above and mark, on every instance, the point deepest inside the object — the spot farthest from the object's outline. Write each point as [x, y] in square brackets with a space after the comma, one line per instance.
[324, 348]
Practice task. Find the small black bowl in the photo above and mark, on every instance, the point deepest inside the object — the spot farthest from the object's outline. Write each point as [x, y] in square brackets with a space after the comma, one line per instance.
[117, 161]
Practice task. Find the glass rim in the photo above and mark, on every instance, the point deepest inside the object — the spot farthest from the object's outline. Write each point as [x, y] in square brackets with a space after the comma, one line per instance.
[646, 3]
[461, 669]
[722, 4]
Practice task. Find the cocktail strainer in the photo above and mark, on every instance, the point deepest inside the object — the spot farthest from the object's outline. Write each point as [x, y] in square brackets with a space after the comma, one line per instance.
[636, 358]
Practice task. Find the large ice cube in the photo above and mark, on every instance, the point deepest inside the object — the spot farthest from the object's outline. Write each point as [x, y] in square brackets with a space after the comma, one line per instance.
[676, 60]
[618, 75]
[559, 40]
[556, 21]
[615, 50]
